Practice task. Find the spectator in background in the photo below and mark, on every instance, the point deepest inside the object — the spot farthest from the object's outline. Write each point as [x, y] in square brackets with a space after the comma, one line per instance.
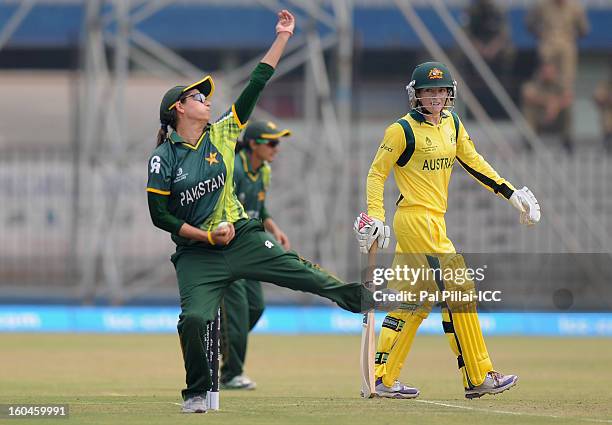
[489, 32]
[557, 24]
[603, 99]
[546, 105]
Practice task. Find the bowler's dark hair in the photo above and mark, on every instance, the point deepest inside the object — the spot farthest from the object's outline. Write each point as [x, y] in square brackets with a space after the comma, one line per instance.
[162, 133]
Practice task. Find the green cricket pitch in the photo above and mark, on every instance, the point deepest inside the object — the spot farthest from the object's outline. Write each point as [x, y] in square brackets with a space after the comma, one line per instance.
[313, 379]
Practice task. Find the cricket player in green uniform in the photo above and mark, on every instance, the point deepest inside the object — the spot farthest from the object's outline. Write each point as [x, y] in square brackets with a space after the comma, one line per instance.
[191, 195]
[243, 303]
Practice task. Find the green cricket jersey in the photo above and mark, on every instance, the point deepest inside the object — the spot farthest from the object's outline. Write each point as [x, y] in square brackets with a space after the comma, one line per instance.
[251, 186]
[199, 179]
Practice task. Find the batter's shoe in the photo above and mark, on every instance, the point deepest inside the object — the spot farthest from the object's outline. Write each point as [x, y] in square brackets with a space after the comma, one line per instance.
[398, 390]
[494, 383]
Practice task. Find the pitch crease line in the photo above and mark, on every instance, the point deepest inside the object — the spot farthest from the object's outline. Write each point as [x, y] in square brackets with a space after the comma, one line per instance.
[505, 412]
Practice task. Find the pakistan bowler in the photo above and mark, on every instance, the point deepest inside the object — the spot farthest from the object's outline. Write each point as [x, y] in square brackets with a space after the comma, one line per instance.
[191, 192]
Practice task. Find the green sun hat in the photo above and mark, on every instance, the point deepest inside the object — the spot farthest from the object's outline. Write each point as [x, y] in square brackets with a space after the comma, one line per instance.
[264, 131]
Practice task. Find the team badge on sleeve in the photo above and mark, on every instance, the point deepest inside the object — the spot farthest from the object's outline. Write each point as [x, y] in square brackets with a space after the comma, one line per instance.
[155, 164]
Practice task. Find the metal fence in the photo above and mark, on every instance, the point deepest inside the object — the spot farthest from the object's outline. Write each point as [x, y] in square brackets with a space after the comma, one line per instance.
[48, 252]
[75, 220]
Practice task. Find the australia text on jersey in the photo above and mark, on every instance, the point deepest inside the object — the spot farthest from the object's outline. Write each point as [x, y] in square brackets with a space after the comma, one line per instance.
[194, 193]
[438, 164]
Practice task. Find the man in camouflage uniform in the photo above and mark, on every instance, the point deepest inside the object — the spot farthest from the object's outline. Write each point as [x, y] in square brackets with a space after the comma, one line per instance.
[545, 104]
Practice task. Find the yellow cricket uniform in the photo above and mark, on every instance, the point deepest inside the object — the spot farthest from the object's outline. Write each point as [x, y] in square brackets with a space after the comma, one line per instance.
[422, 156]
[422, 166]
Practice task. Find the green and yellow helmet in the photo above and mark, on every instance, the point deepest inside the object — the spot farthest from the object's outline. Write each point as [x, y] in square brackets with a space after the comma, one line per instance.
[428, 75]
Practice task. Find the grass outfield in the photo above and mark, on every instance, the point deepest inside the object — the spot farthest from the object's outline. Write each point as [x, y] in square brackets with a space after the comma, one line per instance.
[135, 379]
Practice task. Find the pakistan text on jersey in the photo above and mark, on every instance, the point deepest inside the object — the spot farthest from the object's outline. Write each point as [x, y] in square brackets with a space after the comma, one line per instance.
[202, 188]
[437, 164]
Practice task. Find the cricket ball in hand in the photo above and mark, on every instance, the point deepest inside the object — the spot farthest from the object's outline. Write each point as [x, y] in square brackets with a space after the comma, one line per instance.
[222, 225]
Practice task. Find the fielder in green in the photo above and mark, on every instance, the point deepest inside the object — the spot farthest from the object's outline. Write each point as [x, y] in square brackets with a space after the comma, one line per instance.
[191, 195]
[243, 303]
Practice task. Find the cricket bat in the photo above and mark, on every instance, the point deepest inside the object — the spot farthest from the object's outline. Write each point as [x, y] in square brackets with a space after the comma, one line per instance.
[368, 338]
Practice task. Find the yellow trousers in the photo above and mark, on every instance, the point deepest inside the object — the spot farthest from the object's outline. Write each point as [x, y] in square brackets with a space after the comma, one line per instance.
[422, 242]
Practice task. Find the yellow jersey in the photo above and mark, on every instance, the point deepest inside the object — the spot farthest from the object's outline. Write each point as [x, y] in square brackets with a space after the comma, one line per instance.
[422, 156]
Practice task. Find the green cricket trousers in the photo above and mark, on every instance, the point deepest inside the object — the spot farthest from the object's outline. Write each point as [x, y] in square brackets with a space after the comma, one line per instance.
[241, 308]
[204, 272]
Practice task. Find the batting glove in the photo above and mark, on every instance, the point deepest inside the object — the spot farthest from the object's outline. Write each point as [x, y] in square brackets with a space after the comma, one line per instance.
[524, 201]
[368, 229]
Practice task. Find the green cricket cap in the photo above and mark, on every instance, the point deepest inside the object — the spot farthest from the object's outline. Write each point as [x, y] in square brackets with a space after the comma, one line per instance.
[262, 131]
[206, 86]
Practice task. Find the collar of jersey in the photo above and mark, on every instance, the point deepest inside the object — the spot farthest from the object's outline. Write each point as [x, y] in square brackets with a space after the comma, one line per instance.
[420, 118]
[176, 138]
[246, 164]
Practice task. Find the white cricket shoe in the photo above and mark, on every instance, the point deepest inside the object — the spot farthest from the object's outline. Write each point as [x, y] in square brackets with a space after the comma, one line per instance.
[240, 382]
[195, 404]
[494, 383]
[398, 390]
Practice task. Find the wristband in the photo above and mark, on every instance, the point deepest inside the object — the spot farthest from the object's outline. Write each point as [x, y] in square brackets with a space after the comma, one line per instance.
[210, 239]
